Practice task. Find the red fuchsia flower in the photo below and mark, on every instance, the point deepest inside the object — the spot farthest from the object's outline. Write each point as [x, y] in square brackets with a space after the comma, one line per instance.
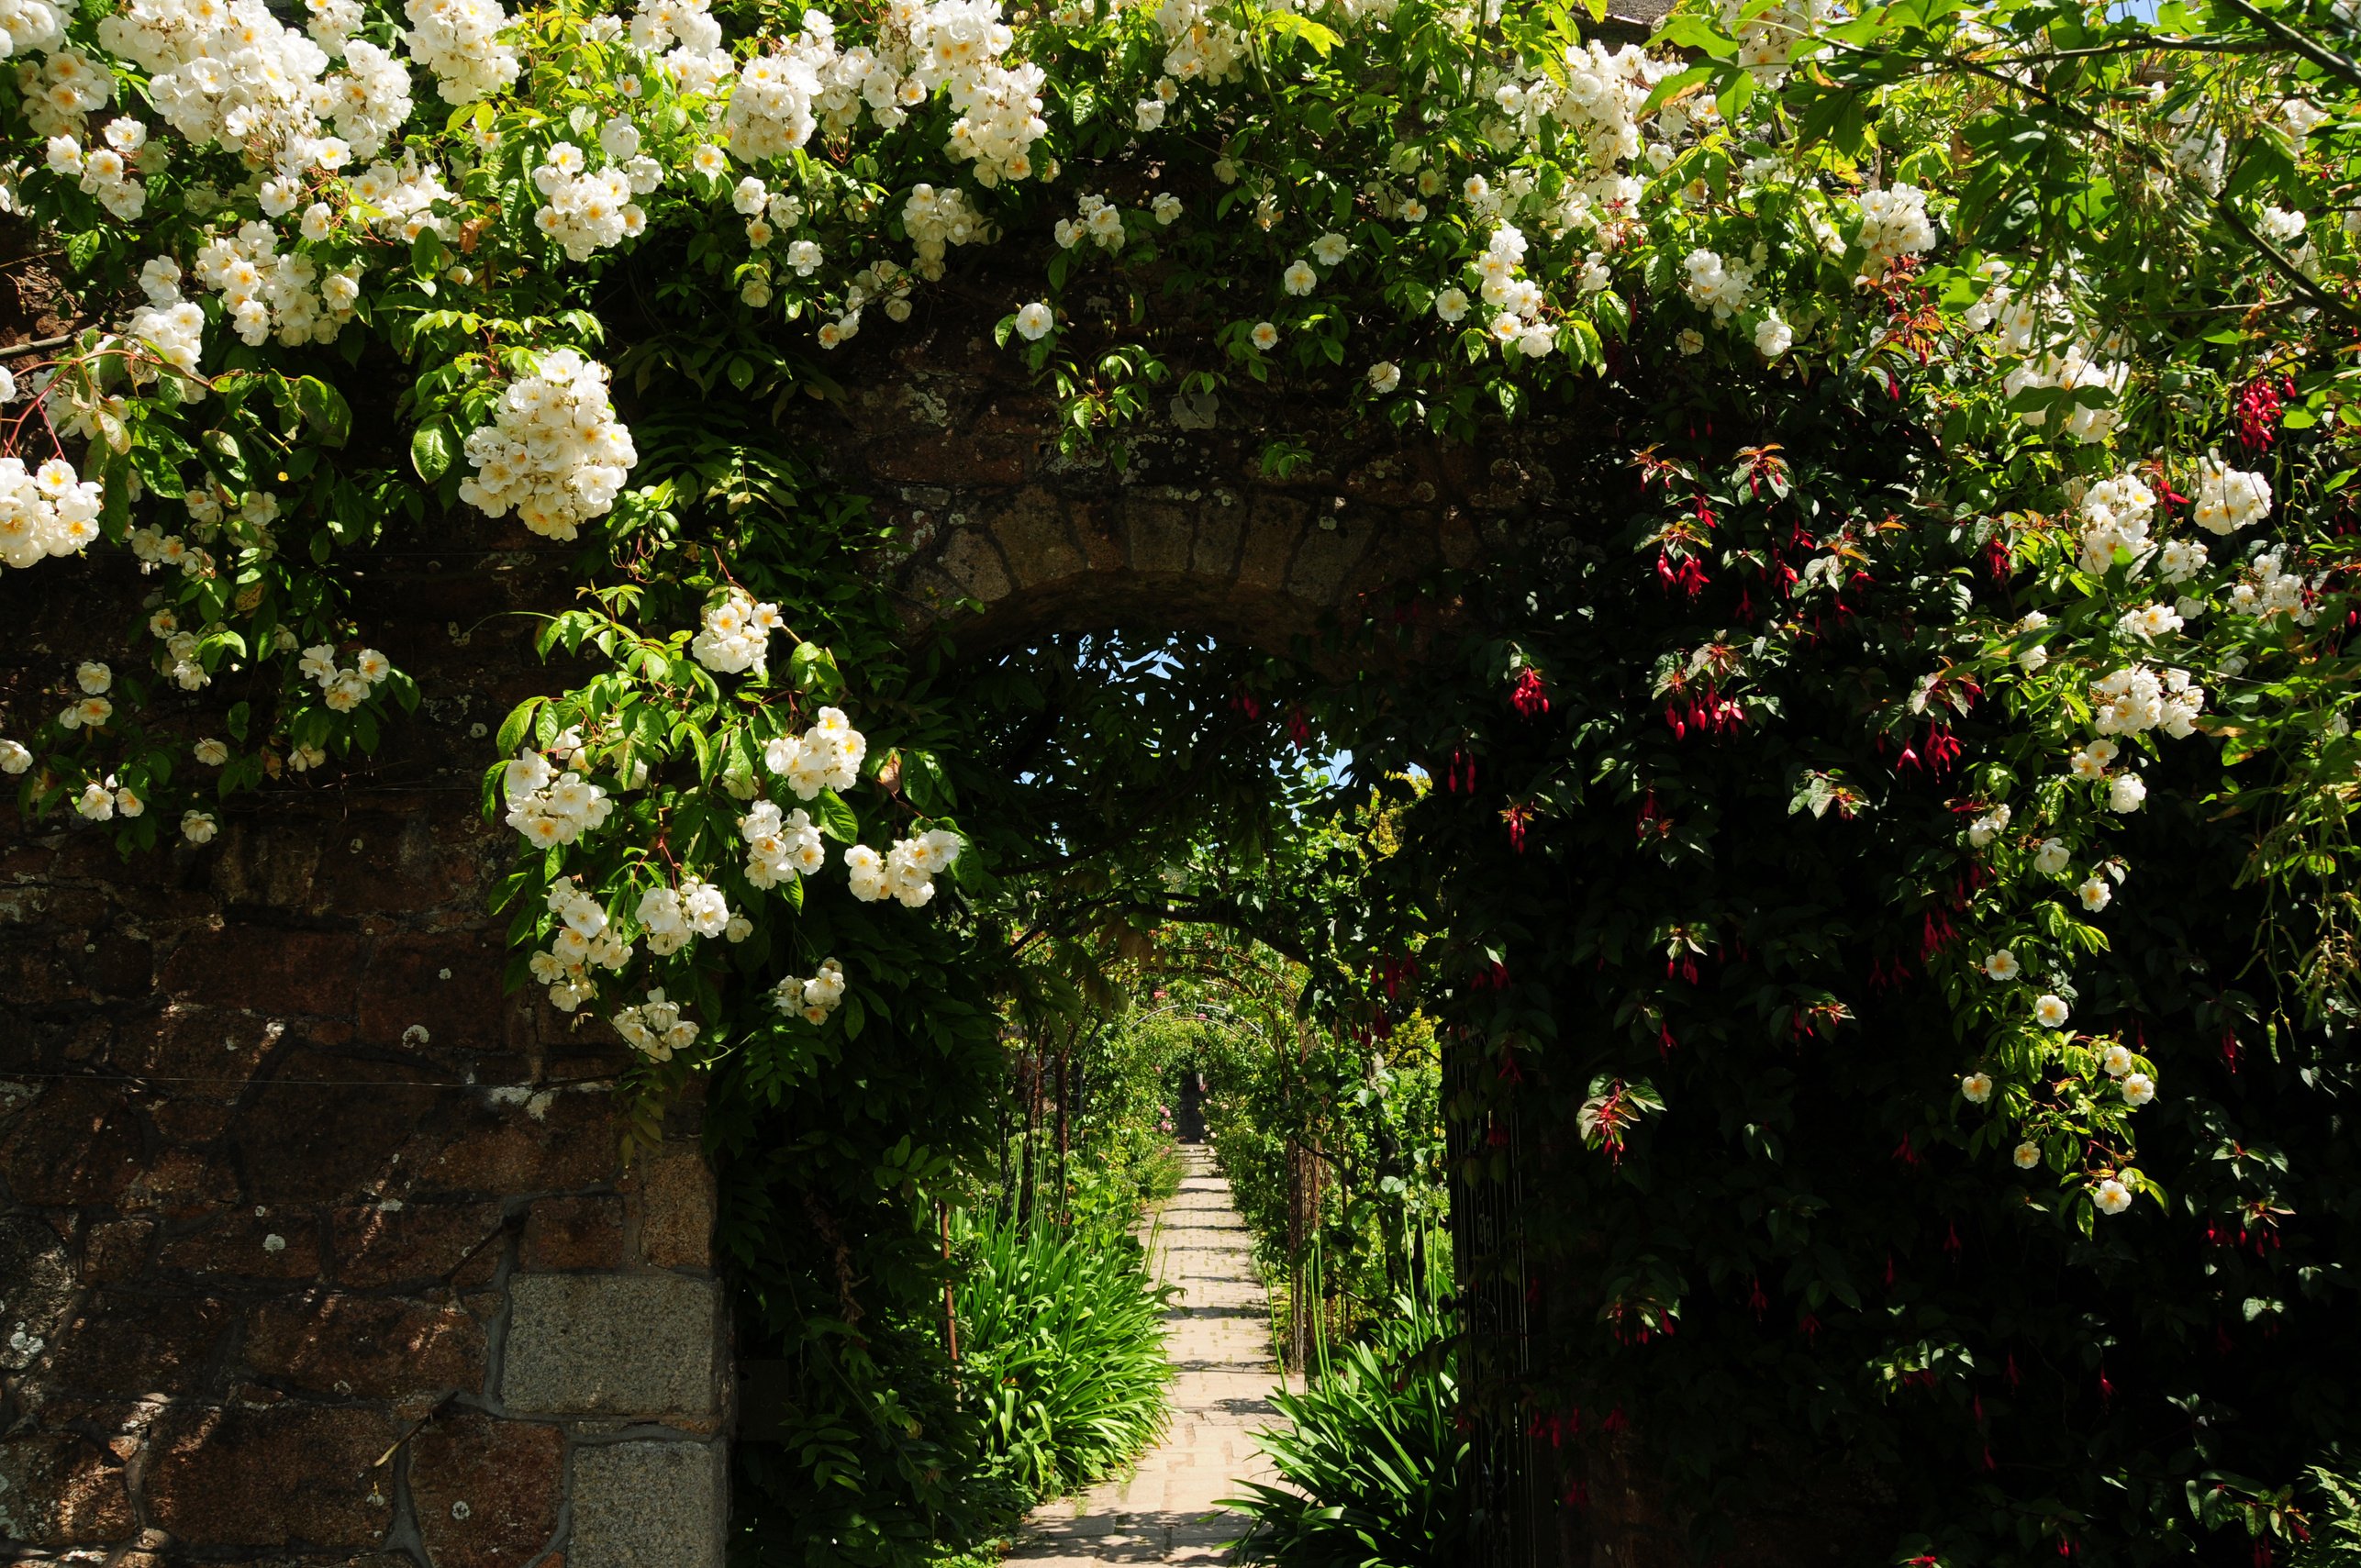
[1531, 695]
[1689, 575]
[1459, 773]
[1299, 728]
[1517, 816]
[2257, 410]
[1244, 702]
[1493, 976]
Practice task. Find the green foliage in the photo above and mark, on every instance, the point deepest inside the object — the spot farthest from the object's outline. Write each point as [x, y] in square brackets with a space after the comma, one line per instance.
[1373, 1457]
[2336, 1526]
[1062, 1345]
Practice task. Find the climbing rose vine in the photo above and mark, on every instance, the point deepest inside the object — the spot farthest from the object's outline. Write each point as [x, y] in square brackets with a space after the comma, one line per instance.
[2104, 265]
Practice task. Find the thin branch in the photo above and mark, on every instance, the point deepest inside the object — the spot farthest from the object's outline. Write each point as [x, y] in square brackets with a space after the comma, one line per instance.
[2320, 54]
[2289, 272]
[2142, 41]
[35, 347]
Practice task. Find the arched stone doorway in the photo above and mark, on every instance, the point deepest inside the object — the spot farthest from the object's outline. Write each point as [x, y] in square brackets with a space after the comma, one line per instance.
[1001, 535]
[315, 1251]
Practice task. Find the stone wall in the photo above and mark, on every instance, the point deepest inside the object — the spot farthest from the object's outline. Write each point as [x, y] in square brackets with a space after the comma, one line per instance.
[315, 1247]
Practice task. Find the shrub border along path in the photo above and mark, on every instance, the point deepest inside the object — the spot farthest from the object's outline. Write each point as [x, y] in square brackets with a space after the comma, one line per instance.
[1166, 1510]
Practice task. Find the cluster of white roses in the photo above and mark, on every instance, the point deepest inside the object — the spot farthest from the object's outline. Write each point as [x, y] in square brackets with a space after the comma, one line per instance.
[249, 524]
[2126, 792]
[1723, 287]
[370, 98]
[686, 37]
[827, 755]
[555, 450]
[1600, 102]
[29, 27]
[173, 326]
[346, 689]
[92, 708]
[2199, 151]
[229, 72]
[935, 219]
[458, 40]
[584, 940]
[1894, 223]
[2145, 623]
[813, 999]
[765, 211]
[770, 112]
[669, 916]
[1767, 36]
[736, 636]
[956, 46]
[655, 1028]
[780, 848]
[48, 511]
[2138, 698]
[404, 195]
[101, 799]
[263, 291]
[113, 172]
[59, 91]
[2273, 590]
[1517, 302]
[586, 209]
[1096, 219]
[2229, 500]
[180, 660]
[549, 806]
[905, 871]
[2078, 368]
[1200, 46]
[2115, 516]
[951, 46]
[2136, 1087]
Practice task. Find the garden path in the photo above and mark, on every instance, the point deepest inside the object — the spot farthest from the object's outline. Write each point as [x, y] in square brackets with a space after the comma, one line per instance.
[1166, 1509]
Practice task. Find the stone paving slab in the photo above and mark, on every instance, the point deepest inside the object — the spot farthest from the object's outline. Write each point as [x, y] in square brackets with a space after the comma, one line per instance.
[1166, 1509]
